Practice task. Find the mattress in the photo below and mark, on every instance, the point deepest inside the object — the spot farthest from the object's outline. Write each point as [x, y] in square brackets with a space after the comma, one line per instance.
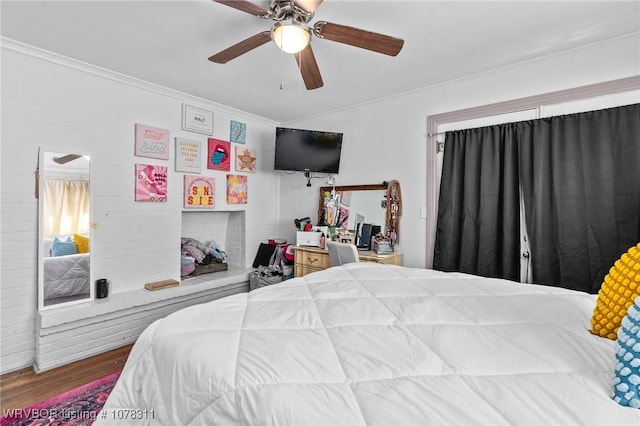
[370, 344]
[66, 276]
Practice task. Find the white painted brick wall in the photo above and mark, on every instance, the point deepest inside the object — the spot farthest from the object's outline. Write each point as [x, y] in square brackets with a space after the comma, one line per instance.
[64, 106]
[225, 228]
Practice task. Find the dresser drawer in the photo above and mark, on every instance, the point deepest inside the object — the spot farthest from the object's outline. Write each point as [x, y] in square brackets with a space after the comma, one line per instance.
[313, 259]
[310, 259]
[302, 270]
[389, 258]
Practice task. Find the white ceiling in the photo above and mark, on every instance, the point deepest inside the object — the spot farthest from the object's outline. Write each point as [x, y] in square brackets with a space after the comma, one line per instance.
[168, 43]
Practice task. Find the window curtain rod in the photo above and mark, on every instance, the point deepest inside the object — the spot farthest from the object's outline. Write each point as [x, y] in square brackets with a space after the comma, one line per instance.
[439, 144]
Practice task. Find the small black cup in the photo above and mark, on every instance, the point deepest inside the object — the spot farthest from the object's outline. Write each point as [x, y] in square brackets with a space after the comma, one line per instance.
[102, 288]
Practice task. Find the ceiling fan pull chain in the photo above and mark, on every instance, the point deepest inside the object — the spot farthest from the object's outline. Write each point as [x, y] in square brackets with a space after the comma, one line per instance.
[281, 76]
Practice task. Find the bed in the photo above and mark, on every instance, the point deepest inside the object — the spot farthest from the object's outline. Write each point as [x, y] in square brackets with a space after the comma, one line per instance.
[66, 277]
[374, 344]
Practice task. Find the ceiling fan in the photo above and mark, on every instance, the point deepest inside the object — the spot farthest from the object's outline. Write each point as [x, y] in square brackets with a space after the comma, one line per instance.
[66, 158]
[292, 34]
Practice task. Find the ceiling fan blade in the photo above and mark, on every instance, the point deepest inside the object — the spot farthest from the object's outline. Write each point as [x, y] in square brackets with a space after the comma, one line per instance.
[308, 6]
[241, 48]
[309, 68]
[66, 158]
[245, 6]
[359, 38]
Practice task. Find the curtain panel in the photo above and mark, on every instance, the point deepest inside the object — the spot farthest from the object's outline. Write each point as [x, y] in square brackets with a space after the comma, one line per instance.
[580, 176]
[478, 229]
[580, 180]
[66, 207]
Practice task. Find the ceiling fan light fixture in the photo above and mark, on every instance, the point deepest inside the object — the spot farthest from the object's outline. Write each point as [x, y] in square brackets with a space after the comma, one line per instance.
[291, 36]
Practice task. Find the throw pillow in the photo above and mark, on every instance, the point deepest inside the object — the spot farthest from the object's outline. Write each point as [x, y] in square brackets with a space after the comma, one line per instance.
[82, 242]
[63, 248]
[626, 383]
[618, 291]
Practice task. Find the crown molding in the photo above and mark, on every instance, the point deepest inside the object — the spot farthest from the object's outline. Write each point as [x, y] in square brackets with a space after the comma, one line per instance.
[7, 44]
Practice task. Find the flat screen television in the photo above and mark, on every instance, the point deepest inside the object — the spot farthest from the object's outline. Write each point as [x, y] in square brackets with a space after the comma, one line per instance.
[307, 150]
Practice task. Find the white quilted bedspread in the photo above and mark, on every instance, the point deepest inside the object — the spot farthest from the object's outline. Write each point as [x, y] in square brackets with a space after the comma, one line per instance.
[66, 275]
[376, 345]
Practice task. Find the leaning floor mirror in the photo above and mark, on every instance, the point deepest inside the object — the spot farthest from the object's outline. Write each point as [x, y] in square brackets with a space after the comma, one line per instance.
[64, 229]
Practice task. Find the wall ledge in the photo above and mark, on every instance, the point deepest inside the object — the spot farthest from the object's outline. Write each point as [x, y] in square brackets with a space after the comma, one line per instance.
[95, 310]
[78, 331]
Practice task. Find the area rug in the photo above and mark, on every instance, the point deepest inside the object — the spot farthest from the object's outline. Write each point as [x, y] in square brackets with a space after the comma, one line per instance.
[77, 407]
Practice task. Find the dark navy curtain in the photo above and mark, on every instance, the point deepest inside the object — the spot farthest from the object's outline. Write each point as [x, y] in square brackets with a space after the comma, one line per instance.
[580, 179]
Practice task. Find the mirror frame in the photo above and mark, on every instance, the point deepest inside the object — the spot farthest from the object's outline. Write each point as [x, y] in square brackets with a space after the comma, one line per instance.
[374, 187]
[40, 177]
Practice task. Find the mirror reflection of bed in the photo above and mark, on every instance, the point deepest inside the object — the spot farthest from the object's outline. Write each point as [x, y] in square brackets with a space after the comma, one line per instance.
[64, 219]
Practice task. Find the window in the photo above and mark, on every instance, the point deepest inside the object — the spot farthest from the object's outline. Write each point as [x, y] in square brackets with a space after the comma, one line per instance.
[602, 95]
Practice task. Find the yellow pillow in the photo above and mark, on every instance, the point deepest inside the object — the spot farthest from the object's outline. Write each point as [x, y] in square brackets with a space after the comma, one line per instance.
[82, 243]
[618, 291]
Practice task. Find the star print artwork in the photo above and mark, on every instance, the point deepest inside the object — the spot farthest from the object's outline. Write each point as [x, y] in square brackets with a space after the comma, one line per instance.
[245, 159]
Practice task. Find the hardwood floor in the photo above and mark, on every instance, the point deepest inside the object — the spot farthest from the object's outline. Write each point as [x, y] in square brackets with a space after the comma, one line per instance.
[22, 388]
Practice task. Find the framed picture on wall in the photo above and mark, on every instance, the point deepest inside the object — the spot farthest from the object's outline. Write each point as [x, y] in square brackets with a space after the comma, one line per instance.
[218, 155]
[151, 183]
[151, 142]
[197, 120]
[245, 159]
[188, 155]
[238, 132]
[237, 189]
[199, 192]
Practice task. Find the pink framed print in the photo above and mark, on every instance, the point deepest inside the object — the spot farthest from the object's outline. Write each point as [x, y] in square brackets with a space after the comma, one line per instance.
[245, 159]
[236, 189]
[152, 142]
[219, 155]
[199, 192]
[151, 183]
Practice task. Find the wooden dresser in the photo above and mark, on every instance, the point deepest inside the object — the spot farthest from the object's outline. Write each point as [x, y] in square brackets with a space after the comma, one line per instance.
[312, 259]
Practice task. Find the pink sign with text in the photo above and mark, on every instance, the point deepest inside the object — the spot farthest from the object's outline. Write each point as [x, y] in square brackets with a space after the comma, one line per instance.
[199, 192]
[152, 142]
[151, 183]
